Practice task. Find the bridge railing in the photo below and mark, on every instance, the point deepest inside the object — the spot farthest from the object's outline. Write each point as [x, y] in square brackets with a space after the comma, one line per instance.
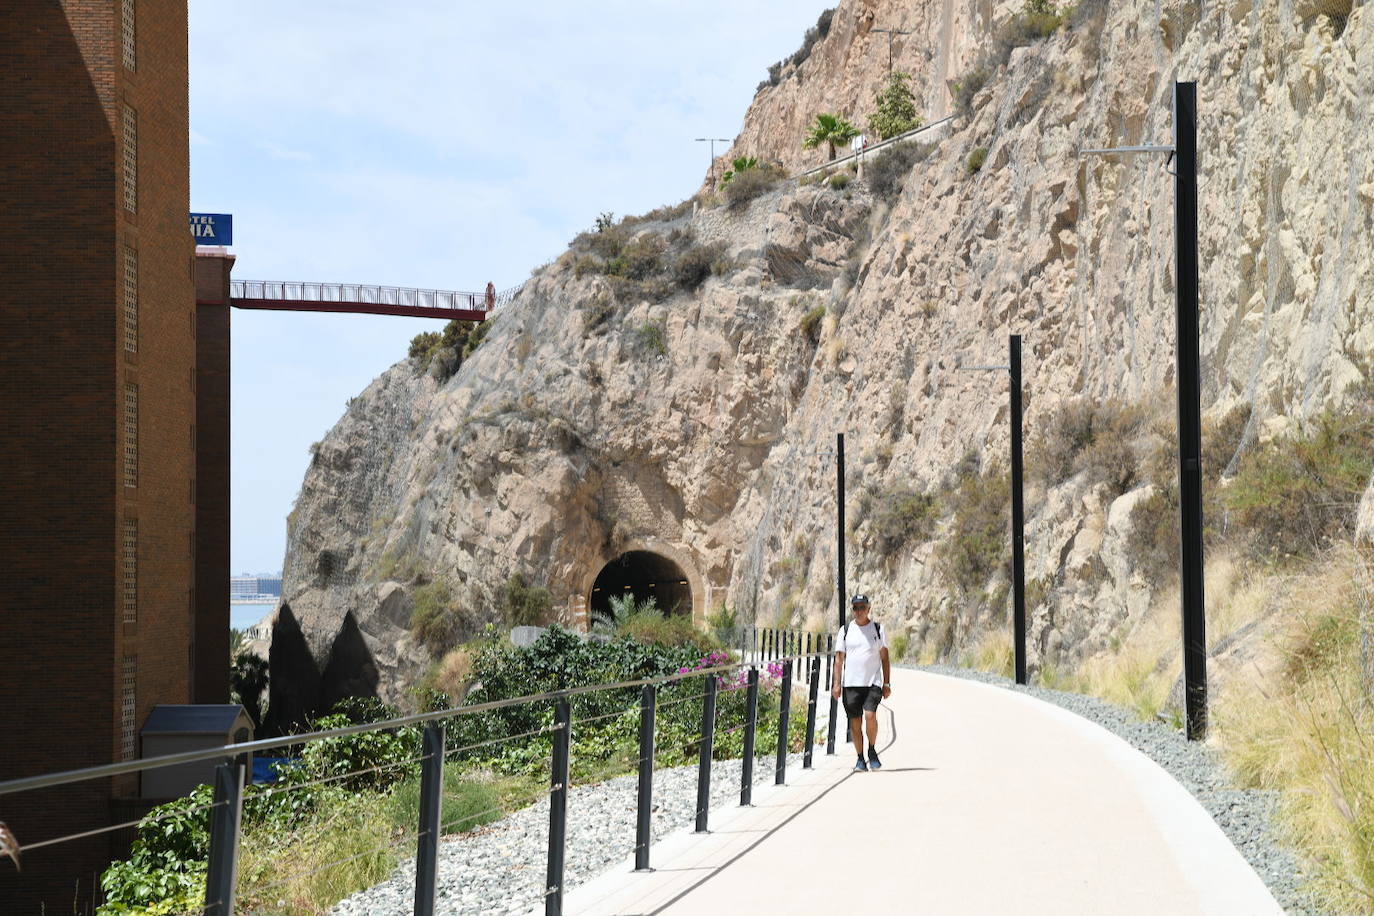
[781, 657]
[400, 296]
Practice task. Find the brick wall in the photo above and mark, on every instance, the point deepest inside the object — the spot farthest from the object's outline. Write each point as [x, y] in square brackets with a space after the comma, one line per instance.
[63, 372]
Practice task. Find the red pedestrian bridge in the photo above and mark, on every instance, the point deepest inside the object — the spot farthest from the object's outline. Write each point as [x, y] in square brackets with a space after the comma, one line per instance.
[287, 296]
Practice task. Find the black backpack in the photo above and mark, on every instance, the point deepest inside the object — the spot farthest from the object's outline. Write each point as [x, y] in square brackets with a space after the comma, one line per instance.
[877, 629]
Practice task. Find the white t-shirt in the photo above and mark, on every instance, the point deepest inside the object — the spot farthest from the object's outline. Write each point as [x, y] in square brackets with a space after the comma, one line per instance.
[863, 666]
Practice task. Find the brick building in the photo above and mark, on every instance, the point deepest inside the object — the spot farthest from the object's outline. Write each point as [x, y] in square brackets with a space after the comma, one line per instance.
[98, 359]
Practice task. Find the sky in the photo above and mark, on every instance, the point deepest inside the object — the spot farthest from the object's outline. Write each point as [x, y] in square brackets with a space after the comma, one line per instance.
[438, 145]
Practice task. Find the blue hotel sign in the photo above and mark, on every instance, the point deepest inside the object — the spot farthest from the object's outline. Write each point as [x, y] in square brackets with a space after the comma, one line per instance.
[212, 228]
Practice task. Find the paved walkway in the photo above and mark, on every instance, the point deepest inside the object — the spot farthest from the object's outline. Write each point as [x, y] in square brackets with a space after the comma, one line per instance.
[988, 801]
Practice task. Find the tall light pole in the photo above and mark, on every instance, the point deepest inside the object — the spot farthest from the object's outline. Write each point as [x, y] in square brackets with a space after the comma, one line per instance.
[711, 170]
[1018, 511]
[1183, 153]
[889, 33]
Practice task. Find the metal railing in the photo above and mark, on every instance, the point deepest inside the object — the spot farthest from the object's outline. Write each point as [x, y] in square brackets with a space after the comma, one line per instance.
[399, 296]
[874, 147]
[787, 656]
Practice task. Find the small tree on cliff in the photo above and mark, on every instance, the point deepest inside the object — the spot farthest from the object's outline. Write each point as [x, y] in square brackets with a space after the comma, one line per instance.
[896, 107]
[829, 129]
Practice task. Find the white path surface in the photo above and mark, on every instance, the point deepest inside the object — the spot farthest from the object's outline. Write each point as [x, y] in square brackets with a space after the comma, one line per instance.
[989, 801]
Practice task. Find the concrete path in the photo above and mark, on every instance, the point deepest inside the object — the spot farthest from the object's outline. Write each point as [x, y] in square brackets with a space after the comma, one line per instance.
[988, 801]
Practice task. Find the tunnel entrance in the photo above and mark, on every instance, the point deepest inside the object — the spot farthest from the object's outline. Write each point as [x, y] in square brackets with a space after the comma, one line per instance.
[647, 575]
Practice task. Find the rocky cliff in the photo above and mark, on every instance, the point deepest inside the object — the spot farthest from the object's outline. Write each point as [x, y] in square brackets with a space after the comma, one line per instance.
[671, 387]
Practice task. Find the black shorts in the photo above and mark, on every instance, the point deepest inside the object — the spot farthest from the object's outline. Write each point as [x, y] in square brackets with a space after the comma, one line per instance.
[857, 700]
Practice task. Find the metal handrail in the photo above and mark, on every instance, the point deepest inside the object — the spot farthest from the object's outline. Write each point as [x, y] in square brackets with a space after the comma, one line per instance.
[867, 150]
[372, 294]
[30, 783]
[227, 807]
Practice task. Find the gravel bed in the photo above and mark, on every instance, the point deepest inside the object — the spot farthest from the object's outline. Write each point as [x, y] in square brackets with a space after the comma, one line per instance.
[1244, 815]
[500, 868]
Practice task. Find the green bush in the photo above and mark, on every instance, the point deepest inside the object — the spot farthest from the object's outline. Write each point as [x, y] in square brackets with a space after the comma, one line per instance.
[840, 180]
[434, 619]
[976, 160]
[901, 516]
[810, 325]
[657, 629]
[753, 183]
[525, 605]
[650, 336]
[392, 750]
[977, 545]
[1297, 494]
[895, 106]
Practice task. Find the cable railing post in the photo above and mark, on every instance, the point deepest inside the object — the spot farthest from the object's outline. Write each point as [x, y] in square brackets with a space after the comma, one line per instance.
[780, 776]
[431, 803]
[558, 808]
[751, 721]
[811, 711]
[708, 734]
[647, 700]
[222, 874]
[830, 687]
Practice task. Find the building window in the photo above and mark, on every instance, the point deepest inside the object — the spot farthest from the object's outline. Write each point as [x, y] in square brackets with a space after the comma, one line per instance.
[128, 33]
[130, 570]
[128, 708]
[130, 160]
[130, 435]
[130, 300]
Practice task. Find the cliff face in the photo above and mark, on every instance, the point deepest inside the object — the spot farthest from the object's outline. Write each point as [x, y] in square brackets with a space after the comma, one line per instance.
[604, 416]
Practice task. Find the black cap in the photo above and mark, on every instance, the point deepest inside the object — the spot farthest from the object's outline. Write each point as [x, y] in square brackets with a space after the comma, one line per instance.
[859, 599]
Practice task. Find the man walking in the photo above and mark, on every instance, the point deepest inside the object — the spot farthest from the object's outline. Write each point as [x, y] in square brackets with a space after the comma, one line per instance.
[863, 676]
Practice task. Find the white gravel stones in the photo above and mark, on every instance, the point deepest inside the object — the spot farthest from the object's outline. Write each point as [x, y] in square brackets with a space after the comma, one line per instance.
[500, 868]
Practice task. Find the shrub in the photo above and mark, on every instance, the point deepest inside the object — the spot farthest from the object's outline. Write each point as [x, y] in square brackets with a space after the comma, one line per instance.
[525, 605]
[1085, 435]
[387, 755]
[810, 325]
[886, 171]
[895, 106]
[473, 339]
[656, 629]
[434, 620]
[903, 515]
[976, 160]
[723, 623]
[741, 165]
[753, 183]
[968, 87]
[650, 336]
[840, 180]
[452, 674]
[977, 545]
[1297, 494]
[694, 265]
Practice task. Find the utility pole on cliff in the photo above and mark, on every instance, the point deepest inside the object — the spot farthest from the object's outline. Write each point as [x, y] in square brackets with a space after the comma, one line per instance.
[711, 169]
[889, 33]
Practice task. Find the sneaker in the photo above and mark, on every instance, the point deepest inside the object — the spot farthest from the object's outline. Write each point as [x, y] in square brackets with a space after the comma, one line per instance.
[860, 766]
[873, 762]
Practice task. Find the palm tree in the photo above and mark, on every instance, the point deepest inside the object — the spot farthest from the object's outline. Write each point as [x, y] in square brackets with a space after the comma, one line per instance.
[829, 129]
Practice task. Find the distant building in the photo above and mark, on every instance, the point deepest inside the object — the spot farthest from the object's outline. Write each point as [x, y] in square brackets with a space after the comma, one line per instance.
[254, 587]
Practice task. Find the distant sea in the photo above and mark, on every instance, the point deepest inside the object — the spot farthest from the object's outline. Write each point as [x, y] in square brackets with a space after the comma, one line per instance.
[243, 616]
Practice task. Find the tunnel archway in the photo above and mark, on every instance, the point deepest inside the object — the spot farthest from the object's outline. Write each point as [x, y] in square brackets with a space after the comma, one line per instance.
[646, 574]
